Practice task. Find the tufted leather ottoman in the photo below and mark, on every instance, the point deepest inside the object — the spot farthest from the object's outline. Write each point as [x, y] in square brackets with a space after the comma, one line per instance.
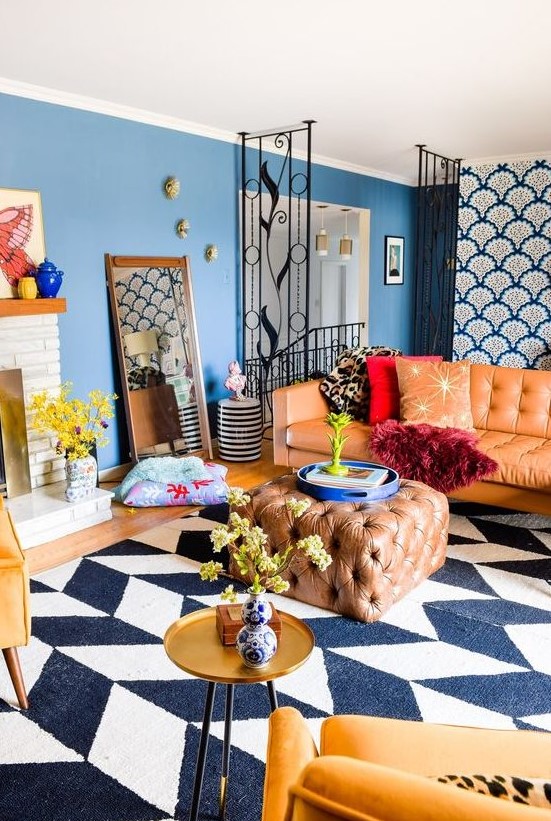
[380, 550]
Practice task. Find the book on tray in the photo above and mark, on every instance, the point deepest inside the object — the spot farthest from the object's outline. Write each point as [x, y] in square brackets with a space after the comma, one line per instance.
[356, 477]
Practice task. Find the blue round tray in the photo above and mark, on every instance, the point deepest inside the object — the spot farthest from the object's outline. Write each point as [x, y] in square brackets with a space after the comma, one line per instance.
[345, 494]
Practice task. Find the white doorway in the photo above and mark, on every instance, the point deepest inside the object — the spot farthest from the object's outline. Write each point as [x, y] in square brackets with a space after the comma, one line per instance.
[332, 293]
[339, 290]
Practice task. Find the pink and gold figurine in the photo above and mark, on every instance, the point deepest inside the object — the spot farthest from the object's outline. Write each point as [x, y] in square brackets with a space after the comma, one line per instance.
[235, 380]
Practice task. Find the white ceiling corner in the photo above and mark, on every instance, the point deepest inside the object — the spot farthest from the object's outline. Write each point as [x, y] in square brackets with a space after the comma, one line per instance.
[469, 80]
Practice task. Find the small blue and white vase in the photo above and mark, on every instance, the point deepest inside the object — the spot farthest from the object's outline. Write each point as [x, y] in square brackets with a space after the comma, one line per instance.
[256, 641]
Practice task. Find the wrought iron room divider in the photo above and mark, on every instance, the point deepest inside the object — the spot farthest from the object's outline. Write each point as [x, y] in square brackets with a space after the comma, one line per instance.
[275, 243]
[435, 262]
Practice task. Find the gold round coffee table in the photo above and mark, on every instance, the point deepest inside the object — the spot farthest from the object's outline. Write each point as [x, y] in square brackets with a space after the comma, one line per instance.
[193, 644]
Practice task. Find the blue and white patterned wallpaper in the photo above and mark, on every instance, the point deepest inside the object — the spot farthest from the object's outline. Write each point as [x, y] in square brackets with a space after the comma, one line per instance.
[503, 285]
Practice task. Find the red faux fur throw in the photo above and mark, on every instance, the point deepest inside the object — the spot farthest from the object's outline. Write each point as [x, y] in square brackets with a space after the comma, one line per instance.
[444, 458]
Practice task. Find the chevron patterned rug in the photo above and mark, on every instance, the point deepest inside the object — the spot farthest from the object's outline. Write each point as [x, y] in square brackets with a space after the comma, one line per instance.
[113, 728]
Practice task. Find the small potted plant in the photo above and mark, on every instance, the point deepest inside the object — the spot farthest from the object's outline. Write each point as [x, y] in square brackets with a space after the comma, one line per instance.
[79, 426]
[256, 641]
[338, 422]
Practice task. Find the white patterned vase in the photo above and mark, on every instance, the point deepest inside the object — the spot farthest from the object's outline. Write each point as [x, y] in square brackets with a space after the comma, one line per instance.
[81, 475]
[256, 641]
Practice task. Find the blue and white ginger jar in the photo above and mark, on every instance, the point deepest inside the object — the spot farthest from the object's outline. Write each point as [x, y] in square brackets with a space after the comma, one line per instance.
[256, 641]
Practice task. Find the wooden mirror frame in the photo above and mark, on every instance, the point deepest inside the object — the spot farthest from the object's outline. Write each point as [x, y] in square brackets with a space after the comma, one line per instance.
[166, 409]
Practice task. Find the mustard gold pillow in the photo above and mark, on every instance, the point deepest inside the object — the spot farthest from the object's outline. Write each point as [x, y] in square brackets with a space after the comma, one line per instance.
[435, 393]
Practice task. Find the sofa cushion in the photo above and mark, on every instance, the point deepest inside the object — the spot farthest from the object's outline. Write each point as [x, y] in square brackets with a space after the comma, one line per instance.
[311, 436]
[436, 393]
[523, 461]
[346, 388]
[384, 391]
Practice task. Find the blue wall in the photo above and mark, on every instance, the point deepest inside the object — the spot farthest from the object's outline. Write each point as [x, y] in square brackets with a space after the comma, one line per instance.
[100, 180]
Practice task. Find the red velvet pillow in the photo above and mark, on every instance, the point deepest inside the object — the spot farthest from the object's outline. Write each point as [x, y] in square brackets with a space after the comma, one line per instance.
[384, 391]
[444, 458]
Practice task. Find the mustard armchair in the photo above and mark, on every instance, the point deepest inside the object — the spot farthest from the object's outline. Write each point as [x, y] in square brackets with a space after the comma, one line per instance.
[375, 769]
[15, 619]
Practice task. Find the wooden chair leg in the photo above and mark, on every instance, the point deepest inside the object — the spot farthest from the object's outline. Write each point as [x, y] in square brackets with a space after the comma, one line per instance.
[14, 669]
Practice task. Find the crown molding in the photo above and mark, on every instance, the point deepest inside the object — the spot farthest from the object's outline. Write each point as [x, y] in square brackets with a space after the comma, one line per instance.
[342, 165]
[507, 159]
[139, 115]
[124, 112]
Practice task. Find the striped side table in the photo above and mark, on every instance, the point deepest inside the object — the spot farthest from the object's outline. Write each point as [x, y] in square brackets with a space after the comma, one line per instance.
[239, 429]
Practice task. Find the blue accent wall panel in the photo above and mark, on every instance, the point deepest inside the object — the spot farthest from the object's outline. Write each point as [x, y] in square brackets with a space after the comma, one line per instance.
[101, 178]
[503, 286]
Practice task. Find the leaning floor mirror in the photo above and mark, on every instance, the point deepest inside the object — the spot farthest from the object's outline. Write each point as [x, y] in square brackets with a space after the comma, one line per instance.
[158, 352]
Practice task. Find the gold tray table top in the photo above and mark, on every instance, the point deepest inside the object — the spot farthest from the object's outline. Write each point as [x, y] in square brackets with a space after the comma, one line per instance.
[193, 644]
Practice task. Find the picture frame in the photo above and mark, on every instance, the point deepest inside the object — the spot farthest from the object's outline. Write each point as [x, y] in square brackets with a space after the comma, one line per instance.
[394, 260]
[22, 246]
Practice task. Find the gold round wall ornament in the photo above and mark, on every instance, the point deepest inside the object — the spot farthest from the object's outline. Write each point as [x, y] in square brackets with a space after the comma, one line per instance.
[172, 187]
[182, 228]
[211, 253]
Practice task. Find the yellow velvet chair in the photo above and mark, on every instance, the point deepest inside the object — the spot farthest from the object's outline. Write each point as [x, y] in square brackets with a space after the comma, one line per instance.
[377, 768]
[15, 619]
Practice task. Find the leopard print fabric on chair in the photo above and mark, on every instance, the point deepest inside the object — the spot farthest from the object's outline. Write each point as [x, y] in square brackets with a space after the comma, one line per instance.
[346, 388]
[533, 791]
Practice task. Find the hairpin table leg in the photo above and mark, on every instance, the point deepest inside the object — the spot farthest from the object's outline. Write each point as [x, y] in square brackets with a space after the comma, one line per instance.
[202, 754]
[273, 695]
[226, 749]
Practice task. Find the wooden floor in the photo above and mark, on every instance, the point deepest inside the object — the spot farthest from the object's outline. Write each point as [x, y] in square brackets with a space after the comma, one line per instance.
[128, 521]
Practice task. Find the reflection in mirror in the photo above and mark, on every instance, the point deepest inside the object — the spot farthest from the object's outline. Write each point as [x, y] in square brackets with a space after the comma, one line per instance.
[156, 333]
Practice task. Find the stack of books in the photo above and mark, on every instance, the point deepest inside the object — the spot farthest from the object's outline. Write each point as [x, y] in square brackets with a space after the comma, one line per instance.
[356, 477]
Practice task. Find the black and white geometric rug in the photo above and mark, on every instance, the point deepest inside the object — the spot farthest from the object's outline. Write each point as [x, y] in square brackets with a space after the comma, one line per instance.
[113, 727]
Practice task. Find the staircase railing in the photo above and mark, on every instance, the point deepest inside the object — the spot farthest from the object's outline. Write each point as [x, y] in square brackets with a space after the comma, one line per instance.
[310, 356]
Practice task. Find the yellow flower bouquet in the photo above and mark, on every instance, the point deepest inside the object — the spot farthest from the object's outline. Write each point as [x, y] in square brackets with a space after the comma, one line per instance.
[79, 425]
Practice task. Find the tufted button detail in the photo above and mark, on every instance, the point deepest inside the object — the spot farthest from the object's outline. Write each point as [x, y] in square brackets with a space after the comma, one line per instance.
[380, 550]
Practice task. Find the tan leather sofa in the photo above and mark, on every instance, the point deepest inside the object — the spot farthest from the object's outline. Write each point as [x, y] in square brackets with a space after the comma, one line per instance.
[375, 769]
[512, 416]
[15, 619]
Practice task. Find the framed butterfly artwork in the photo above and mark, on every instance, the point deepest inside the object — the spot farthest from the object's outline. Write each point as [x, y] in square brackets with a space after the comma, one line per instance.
[22, 246]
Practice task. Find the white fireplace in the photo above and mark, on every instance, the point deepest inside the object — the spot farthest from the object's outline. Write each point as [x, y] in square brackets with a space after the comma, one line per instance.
[29, 340]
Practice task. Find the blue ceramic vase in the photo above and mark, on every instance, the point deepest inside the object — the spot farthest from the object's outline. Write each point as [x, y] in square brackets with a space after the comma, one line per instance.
[48, 279]
[256, 641]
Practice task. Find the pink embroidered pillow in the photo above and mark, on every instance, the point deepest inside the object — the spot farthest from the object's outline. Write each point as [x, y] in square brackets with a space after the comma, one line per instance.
[436, 393]
[168, 494]
[384, 391]
[210, 490]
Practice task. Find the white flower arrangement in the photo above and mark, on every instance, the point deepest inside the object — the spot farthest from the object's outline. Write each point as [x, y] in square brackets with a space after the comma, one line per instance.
[247, 546]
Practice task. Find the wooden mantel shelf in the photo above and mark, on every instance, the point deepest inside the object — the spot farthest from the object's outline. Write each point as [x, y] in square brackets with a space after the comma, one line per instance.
[32, 307]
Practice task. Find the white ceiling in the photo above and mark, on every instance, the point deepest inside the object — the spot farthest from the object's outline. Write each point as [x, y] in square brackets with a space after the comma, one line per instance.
[470, 79]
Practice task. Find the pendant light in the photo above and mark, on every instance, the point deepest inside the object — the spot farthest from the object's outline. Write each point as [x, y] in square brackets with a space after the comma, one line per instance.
[345, 245]
[322, 239]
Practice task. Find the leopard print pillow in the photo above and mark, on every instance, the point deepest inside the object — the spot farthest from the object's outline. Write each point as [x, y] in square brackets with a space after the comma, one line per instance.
[533, 791]
[346, 388]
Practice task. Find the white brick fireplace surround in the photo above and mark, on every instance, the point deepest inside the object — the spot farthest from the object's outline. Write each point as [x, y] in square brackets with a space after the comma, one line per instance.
[31, 343]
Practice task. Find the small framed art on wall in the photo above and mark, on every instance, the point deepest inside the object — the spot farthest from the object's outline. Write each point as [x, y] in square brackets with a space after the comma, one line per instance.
[21, 237]
[394, 260]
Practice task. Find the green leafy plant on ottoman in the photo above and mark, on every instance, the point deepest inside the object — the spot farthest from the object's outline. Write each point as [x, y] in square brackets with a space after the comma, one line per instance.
[338, 422]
